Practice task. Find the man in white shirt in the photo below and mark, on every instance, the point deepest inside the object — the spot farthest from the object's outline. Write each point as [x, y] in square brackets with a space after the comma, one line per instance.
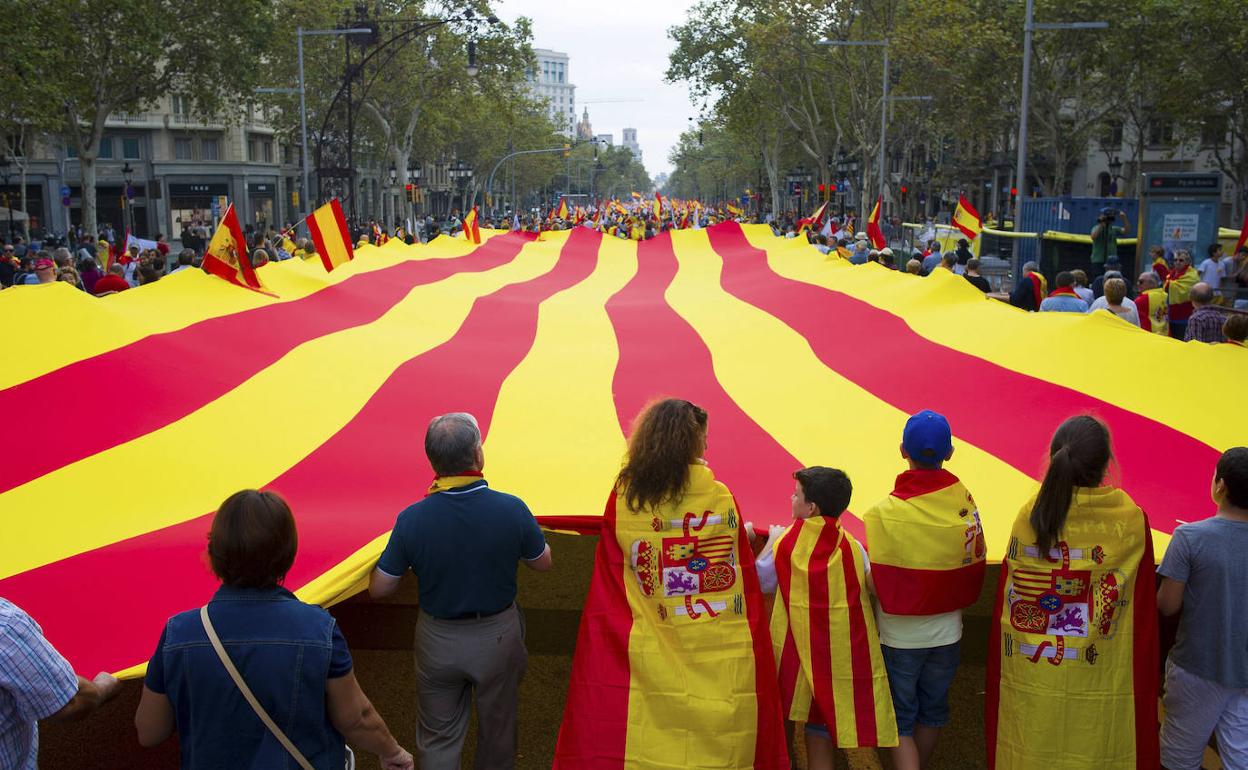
[1212, 269]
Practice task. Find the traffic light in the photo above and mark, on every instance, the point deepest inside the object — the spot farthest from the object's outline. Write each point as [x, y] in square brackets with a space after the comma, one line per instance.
[411, 192]
[904, 192]
[832, 187]
[797, 189]
[567, 150]
[1013, 192]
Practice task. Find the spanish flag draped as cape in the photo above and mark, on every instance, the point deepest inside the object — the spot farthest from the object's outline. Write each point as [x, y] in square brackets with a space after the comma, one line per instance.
[927, 545]
[831, 669]
[1179, 292]
[1072, 666]
[673, 666]
[1154, 312]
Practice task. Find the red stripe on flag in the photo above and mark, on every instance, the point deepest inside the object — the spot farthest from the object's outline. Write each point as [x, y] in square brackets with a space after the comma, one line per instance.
[821, 624]
[992, 678]
[790, 662]
[594, 731]
[1015, 413]
[860, 645]
[661, 354]
[342, 228]
[358, 470]
[318, 241]
[1144, 657]
[911, 591]
[190, 374]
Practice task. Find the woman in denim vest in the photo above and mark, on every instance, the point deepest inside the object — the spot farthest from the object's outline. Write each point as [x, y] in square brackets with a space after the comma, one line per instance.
[291, 655]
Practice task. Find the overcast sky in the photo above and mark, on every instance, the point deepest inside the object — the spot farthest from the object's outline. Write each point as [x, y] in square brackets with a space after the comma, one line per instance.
[620, 54]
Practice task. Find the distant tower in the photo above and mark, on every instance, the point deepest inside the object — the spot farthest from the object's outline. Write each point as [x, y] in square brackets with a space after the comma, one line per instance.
[584, 131]
[630, 142]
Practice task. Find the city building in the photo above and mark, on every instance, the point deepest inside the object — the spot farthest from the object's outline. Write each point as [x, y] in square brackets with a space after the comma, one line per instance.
[584, 131]
[630, 143]
[549, 81]
[605, 140]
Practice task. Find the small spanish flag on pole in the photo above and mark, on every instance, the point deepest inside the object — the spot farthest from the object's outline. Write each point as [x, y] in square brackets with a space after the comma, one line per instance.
[328, 228]
[471, 231]
[873, 226]
[966, 219]
[226, 256]
[658, 206]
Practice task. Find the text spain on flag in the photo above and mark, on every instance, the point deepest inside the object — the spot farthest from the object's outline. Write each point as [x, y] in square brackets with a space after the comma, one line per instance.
[226, 256]
[328, 228]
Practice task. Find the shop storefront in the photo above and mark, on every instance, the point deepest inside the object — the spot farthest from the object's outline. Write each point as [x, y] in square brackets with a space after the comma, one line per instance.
[191, 203]
[261, 196]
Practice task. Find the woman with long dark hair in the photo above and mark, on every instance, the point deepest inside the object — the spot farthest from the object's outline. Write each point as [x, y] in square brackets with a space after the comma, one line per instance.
[1072, 663]
[673, 661]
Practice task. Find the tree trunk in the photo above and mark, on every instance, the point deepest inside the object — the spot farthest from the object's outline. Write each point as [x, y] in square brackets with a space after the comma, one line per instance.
[25, 204]
[87, 165]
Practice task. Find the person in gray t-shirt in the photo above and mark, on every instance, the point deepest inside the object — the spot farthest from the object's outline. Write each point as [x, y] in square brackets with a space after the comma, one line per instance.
[1206, 577]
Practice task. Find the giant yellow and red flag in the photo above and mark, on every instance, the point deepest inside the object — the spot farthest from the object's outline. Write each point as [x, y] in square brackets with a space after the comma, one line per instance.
[673, 588]
[555, 345]
[227, 256]
[966, 219]
[873, 225]
[928, 553]
[328, 228]
[1074, 643]
[826, 645]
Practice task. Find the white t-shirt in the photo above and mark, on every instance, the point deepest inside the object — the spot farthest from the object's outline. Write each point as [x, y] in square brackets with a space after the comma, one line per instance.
[1211, 272]
[916, 632]
[1132, 314]
[1084, 293]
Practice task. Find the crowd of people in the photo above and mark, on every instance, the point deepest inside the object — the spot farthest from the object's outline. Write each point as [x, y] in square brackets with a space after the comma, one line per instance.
[256, 678]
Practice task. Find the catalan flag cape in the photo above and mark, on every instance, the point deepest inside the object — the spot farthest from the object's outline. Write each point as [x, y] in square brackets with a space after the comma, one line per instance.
[1154, 312]
[1179, 292]
[673, 665]
[927, 545]
[226, 256]
[966, 219]
[328, 228]
[873, 225]
[1072, 664]
[831, 668]
[1039, 287]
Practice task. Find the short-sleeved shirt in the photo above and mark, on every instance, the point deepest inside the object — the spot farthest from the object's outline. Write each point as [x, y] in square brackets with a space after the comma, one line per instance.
[1105, 242]
[35, 682]
[1208, 558]
[464, 545]
[1211, 271]
[285, 650]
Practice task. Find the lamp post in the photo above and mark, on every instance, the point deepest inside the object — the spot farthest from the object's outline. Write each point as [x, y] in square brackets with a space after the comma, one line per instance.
[1020, 170]
[8, 199]
[884, 99]
[127, 173]
[1115, 167]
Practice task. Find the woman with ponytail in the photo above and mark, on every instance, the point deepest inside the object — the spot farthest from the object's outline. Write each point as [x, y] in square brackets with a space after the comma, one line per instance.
[1072, 662]
[674, 664]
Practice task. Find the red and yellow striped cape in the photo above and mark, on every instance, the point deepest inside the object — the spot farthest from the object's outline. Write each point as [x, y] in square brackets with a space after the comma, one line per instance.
[1072, 665]
[673, 665]
[823, 631]
[928, 553]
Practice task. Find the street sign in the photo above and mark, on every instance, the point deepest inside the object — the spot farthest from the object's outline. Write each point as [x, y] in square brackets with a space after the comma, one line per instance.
[294, 197]
[216, 208]
[64, 200]
[223, 203]
[64, 192]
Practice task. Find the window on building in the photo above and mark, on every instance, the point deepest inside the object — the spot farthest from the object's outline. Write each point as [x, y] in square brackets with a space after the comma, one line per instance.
[266, 147]
[210, 149]
[130, 147]
[181, 105]
[1160, 132]
[17, 143]
[106, 148]
[1213, 132]
[182, 149]
[71, 151]
[1112, 135]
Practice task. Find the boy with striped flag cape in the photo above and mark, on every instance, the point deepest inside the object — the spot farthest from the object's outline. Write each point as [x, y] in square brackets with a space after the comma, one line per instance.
[928, 563]
[832, 675]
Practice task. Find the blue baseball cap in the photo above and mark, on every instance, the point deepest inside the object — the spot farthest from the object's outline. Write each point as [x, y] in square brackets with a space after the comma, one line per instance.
[927, 438]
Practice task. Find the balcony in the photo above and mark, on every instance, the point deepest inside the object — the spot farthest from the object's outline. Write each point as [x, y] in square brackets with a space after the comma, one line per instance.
[191, 120]
[131, 118]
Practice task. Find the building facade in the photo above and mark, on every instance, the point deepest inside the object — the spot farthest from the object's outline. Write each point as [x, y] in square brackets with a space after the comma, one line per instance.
[605, 140]
[549, 80]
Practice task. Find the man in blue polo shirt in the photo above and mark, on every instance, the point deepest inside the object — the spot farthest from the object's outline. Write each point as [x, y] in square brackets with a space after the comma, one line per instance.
[463, 542]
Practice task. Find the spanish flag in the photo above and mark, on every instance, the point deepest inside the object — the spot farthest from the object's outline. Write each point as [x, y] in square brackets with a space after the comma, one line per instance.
[1039, 287]
[471, 231]
[831, 669]
[735, 210]
[1072, 663]
[560, 211]
[636, 195]
[873, 225]
[966, 219]
[658, 206]
[1153, 311]
[673, 665]
[927, 545]
[226, 256]
[1179, 292]
[328, 228]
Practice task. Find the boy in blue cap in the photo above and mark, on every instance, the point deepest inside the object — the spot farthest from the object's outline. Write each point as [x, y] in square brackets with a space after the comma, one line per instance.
[927, 564]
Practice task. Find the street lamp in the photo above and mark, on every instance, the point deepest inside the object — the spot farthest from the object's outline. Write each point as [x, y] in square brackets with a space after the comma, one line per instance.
[1020, 170]
[884, 100]
[1115, 166]
[472, 59]
[127, 173]
[8, 199]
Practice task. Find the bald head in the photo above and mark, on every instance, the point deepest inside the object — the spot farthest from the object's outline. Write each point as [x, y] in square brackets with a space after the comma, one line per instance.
[1202, 294]
[1147, 280]
[453, 444]
[117, 269]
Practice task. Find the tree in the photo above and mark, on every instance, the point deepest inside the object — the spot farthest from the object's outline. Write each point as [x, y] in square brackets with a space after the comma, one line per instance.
[123, 55]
